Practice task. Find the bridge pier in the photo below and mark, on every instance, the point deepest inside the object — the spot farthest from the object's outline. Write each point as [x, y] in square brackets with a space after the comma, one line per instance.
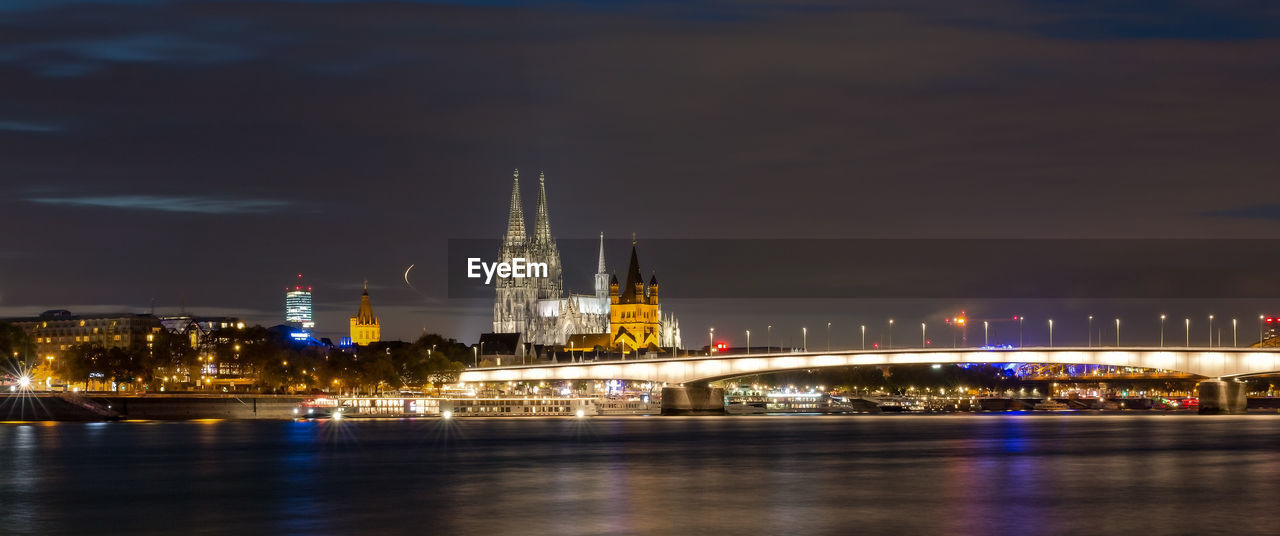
[1222, 397]
[693, 400]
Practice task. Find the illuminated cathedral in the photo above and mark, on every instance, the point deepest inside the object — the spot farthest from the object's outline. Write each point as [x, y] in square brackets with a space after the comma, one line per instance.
[621, 319]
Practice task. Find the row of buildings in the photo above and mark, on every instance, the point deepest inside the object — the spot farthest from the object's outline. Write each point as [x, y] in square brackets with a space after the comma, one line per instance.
[55, 331]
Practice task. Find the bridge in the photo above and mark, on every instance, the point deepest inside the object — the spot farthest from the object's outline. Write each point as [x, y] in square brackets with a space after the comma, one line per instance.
[1219, 367]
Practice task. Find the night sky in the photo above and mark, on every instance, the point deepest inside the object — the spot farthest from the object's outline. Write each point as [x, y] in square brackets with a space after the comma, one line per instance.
[205, 153]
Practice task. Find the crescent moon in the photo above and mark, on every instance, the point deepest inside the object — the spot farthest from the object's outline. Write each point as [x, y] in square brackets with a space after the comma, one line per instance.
[406, 275]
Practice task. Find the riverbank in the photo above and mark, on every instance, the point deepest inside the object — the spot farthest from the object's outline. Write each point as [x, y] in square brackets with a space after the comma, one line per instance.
[190, 406]
[176, 406]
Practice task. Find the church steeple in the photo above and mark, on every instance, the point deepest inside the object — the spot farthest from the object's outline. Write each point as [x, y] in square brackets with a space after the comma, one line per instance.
[365, 328]
[542, 221]
[633, 291]
[515, 236]
[600, 267]
[543, 248]
[602, 278]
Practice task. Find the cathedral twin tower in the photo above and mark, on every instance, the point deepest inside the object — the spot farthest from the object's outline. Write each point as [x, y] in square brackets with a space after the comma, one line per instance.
[536, 307]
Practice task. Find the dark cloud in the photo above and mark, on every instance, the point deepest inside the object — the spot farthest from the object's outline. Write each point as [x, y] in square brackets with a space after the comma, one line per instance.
[389, 128]
[199, 205]
[1251, 212]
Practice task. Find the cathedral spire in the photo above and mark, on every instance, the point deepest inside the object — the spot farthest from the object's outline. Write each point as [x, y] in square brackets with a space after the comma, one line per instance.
[542, 221]
[600, 267]
[515, 219]
[602, 278]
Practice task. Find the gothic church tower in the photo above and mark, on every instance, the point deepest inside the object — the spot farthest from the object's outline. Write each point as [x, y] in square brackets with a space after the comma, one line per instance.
[513, 297]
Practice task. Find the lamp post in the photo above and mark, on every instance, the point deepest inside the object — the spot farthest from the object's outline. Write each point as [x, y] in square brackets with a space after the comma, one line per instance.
[1162, 331]
[1211, 331]
[1261, 331]
[924, 342]
[1188, 322]
[1051, 333]
[1020, 317]
[890, 333]
[864, 336]
[804, 338]
[1234, 342]
[475, 354]
[1117, 332]
[1091, 332]
[828, 336]
[748, 342]
[985, 342]
[768, 339]
[711, 341]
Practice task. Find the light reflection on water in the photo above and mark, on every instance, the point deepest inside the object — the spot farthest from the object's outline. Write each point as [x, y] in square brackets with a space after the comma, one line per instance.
[955, 474]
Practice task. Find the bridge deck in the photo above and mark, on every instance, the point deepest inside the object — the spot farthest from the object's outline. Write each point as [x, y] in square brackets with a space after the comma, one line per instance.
[1198, 362]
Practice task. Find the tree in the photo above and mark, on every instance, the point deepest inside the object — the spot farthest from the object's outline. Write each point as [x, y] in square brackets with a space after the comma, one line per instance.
[173, 355]
[17, 349]
[441, 370]
[80, 362]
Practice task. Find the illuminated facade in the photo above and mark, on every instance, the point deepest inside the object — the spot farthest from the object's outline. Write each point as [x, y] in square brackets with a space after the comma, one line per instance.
[56, 331]
[364, 326]
[634, 314]
[297, 306]
[537, 308]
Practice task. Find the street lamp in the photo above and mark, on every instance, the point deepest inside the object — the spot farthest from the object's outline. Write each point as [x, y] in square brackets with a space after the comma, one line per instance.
[1020, 318]
[711, 341]
[890, 333]
[1211, 331]
[1051, 333]
[804, 338]
[1117, 332]
[924, 342]
[748, 342]
[768, 338]
[1234, 342]
[985, 342]
[1091, 332]
[475, 355]
[1162, 331]
[1188, 321]
[828, 336]
[864, 336]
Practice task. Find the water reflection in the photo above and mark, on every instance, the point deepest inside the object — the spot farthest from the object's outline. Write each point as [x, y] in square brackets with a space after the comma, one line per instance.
[741, 475]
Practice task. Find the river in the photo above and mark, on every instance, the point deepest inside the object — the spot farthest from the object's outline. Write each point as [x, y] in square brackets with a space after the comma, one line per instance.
[906, 474]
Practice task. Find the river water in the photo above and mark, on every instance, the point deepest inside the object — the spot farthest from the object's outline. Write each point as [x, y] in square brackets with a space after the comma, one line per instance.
[909, 474]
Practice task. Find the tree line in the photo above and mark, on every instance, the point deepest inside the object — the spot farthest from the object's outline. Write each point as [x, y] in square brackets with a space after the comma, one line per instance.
[270, 361]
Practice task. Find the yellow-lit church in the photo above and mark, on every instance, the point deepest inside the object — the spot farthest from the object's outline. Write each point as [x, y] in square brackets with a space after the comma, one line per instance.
[364, 326]
[635, 318]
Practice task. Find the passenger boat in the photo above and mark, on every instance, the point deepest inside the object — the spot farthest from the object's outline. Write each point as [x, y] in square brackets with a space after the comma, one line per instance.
[633, 406]
[518, 407]
[1050, 404]
[402, 406]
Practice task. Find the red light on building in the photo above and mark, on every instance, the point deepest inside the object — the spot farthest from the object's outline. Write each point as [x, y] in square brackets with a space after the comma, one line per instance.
[720, 346]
